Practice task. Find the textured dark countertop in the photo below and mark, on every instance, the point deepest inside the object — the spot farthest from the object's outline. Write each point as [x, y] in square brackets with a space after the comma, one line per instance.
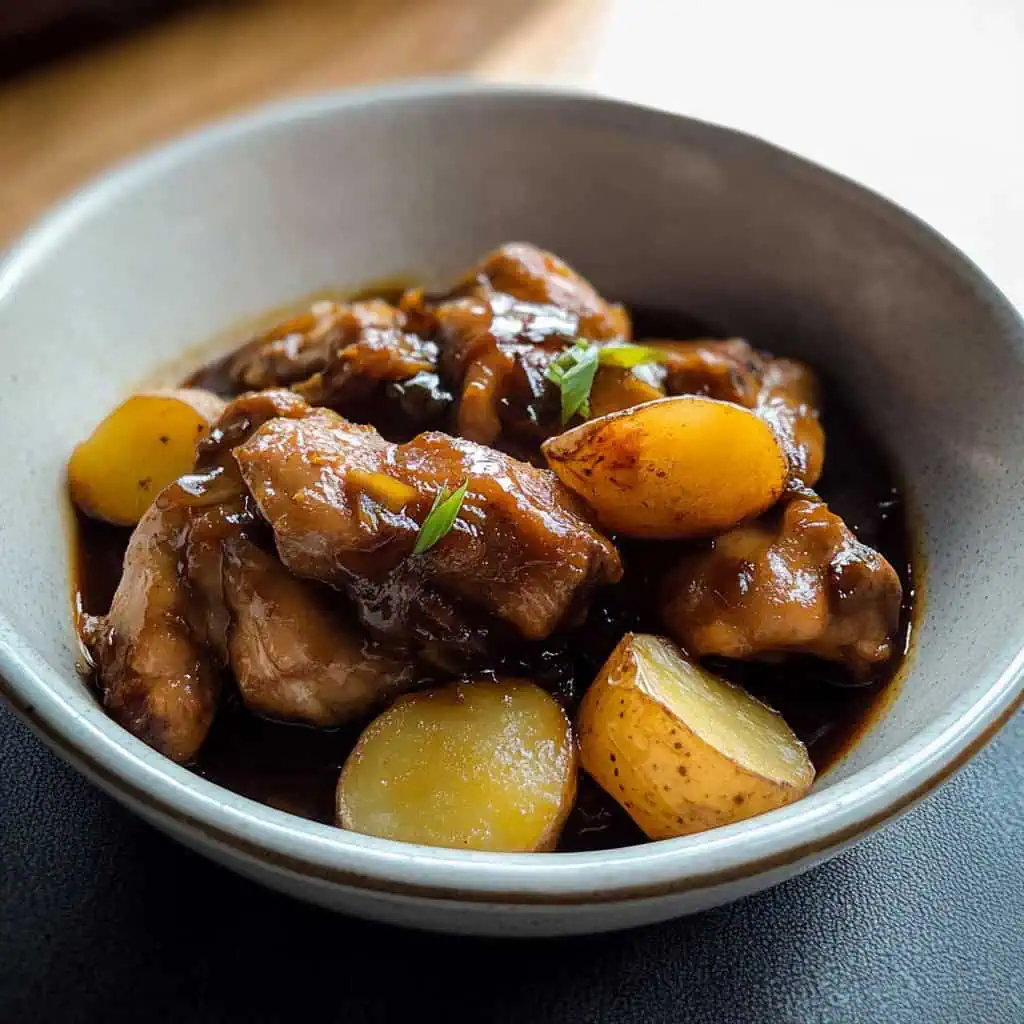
[104, 919]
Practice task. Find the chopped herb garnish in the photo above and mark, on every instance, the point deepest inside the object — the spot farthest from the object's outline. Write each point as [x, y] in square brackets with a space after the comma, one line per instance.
[441, 518]
[628, 355]
[574, 370]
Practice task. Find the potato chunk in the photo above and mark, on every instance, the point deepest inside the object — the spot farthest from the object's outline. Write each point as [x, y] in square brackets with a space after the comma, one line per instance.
[681, 749]
[479, 765]
[679, 467]
[143, 445]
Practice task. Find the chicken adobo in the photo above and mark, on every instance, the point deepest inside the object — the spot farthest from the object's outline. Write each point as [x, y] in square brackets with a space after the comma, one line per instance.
[505, 567]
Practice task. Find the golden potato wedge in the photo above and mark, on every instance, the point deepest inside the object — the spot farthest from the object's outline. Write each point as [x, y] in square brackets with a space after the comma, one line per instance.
[144, 444]
[675, 468]
[681, 749]
[479, 765]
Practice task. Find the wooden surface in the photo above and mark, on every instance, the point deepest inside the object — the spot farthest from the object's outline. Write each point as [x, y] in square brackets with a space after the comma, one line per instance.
[64, 123]
[922, 101]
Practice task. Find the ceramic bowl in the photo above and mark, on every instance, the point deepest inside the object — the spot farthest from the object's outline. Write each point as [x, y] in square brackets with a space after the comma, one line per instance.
[145, 264]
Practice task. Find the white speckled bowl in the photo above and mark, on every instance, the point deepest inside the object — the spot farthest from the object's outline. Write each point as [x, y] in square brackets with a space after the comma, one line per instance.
[654, 208]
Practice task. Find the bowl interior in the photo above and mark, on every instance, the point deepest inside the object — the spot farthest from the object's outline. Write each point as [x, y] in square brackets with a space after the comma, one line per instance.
[654, 209]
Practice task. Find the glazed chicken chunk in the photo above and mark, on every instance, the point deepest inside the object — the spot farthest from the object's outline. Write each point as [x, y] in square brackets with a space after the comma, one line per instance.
[156, 679]
[496, 351]
[295, 651]
[730, 370]
[159, 650]
[295, 654]
[534, 275]
[359, 358]
[301, 346]
[346, 508]
[789, 400]
[198, 594]
[795, 581]
[499, 331]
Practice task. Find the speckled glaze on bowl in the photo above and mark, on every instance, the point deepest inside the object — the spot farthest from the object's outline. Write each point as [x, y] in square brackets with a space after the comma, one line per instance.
[655, 209]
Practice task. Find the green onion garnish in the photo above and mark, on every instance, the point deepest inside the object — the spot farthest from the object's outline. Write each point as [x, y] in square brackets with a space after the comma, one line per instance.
[628, 355]
[440, 519]
[574, 370]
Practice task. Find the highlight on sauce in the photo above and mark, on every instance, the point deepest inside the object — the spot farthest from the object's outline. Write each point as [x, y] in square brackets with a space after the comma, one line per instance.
[509, 567]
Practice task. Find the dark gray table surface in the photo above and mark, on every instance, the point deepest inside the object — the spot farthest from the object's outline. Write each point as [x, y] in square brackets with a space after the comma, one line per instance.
[104, 919]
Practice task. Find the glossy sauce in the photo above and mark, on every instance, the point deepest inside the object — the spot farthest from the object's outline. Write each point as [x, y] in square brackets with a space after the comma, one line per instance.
[295, 768]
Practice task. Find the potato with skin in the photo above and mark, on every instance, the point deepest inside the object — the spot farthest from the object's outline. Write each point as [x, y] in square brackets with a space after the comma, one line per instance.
[476, 765]
[672, 469]
[681, 749]
[146, 443]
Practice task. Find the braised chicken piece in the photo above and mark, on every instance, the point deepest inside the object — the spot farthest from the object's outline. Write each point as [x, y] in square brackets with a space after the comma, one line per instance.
[295, 653]
[730, 370]
[499, 330]
[159, 650]
[795, 581]
[359, 372]
[221, 514]
[789, 400]
[359, 358]
[496, 351]
[156, 679]
[346, 508]
[532, 275]
[301, 346]
[197, 594]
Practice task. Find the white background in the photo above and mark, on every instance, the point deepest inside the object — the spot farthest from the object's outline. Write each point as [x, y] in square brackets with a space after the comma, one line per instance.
[922, 101]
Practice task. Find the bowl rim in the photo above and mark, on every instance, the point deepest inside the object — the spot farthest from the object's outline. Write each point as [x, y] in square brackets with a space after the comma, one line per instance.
[78, 729]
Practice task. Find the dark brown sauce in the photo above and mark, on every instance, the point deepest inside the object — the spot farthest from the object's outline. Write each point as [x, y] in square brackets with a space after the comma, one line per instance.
[295, 768]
